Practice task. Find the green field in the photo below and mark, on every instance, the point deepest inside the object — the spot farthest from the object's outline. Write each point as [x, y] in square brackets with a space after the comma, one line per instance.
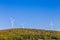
[29, 34]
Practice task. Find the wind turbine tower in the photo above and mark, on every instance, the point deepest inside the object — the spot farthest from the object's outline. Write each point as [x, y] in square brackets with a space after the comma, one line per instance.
[51, 25]
[12, 22]
[22, 25]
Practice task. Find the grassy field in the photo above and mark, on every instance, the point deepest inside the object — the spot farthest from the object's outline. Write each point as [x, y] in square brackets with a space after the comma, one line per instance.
[28, 34]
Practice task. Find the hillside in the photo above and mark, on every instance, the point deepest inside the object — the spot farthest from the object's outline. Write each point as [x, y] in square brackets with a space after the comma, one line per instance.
[29, 34]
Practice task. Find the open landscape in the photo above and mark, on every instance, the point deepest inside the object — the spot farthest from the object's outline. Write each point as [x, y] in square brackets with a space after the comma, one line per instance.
[29, 34]
[29, 19]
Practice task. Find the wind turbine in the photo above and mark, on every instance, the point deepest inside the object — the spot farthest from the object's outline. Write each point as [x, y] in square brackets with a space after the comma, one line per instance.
[51, 25]
[12, 22]
[22, 25]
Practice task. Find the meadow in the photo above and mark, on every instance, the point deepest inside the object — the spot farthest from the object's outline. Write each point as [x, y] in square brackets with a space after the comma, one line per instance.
[29, 34]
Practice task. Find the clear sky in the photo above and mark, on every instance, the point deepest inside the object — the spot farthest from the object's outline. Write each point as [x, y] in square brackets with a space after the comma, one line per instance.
[30, 13]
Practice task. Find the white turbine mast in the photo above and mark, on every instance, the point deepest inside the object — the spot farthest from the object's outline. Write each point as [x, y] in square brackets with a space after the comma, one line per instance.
[22, 25]
[51, 25]
[12, 22]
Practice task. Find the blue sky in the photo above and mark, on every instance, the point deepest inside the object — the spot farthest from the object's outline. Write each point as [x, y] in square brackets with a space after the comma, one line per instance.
[31, 13]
